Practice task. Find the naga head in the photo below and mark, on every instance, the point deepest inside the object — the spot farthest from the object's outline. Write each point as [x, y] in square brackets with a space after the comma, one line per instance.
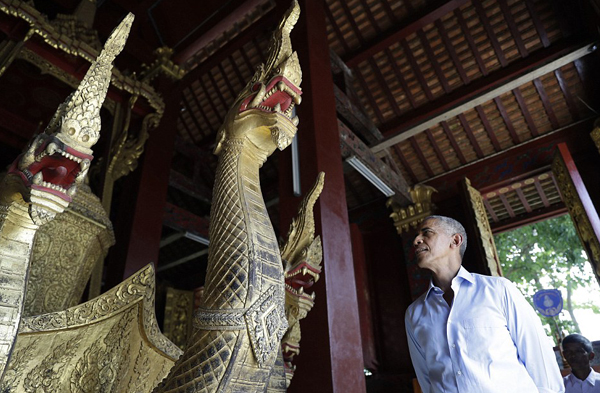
[302, 255]
[264, 111]
[57, 160]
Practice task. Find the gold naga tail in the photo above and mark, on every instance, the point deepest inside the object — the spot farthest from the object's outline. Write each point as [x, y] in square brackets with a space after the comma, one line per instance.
[43, 180]
[236, 343]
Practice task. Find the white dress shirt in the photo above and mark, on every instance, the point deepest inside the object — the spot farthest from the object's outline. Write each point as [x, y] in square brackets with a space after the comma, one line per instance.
[489, 341]
[590, 385]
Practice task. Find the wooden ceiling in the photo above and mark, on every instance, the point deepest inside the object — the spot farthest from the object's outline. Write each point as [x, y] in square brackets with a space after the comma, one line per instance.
[447, 84]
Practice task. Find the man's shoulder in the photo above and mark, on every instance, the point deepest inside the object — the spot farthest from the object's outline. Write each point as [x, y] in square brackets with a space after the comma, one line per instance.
[491, 280]
[417, 304]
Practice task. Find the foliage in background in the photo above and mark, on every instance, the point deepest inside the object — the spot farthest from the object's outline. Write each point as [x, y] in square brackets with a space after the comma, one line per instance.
[548, 255]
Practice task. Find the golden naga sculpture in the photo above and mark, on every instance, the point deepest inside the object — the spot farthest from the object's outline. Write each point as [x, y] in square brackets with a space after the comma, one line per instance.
[302, 255]
[43, 180]
[235, 346]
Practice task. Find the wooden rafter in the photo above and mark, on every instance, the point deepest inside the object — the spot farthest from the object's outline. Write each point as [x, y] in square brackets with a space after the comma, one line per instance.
[421, 156]
[512, 27]
[564, 87]
[415, 68]
[270, 18]
[482, 90]
[546, 102]
[183, 55]
[490, 33]
[488, 128]
[353, 146]
[537, 23]
[525, 110]
[507, 121]
[381, 42]
[437, 150]
[466, 32]
[453, 142]
[452, 52]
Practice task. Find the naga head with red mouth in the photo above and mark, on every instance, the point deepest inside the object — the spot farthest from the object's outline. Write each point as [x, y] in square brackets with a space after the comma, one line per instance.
[50, 171]
[56, 162]
[264, 112]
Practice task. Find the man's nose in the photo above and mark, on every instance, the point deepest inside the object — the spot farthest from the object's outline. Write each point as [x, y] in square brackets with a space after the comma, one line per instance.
[417, 241]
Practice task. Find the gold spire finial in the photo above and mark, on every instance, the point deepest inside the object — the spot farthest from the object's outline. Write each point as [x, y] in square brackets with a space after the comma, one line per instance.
[79, 117]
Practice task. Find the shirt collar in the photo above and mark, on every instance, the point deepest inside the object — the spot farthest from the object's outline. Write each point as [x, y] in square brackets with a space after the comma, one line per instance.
[463, 274]
[591, 378]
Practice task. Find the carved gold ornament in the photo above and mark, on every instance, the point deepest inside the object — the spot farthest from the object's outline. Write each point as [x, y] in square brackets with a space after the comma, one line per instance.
[64, 253]
[406, 217]
[109, 344]
[486, 237]
[179, 309]
[577, 212]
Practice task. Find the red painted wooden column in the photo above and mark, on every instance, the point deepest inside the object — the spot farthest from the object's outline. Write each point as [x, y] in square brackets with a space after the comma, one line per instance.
[142, 203]
[363, 294]
[330, 358]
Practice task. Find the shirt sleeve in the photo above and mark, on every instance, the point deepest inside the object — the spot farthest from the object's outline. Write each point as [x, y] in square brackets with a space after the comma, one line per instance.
[533, 348]
[417, 356]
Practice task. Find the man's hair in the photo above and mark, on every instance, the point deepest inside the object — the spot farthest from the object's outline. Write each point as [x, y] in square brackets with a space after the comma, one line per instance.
[578, 339]
[451, 227]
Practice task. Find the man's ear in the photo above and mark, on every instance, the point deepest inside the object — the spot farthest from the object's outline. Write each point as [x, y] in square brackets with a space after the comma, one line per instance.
[592, 355]
[456, 240]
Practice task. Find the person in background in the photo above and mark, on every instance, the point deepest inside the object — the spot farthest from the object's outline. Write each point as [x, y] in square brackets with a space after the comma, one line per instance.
[578, 353]
[473, 333]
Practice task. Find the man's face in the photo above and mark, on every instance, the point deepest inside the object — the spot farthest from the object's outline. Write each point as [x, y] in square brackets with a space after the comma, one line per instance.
[432, 244]
[577, 357]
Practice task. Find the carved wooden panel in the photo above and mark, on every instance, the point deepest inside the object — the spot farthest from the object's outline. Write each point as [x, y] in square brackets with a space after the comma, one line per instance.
[582, 211]
[484, 237]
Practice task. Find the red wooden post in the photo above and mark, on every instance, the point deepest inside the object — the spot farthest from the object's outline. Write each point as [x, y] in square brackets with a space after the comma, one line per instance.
[363, 295]
[331, 356]
[142, 205]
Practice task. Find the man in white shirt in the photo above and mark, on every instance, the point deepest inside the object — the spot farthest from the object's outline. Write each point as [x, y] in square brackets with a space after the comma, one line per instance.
[578, 353]
[471, 333]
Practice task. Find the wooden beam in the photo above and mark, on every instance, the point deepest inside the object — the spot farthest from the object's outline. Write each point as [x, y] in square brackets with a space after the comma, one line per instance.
[538, 215]
[217, 30]
[184, 221]
[355, 117]
[427, 16]
[571, 133]
[351, 145]
[183, 184]
[483, 90]
[269, 19]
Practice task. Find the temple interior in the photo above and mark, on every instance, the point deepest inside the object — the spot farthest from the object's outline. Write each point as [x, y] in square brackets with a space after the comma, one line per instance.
[481, 110]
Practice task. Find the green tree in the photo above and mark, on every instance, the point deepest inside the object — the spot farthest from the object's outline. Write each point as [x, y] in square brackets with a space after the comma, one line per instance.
[546, 255]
